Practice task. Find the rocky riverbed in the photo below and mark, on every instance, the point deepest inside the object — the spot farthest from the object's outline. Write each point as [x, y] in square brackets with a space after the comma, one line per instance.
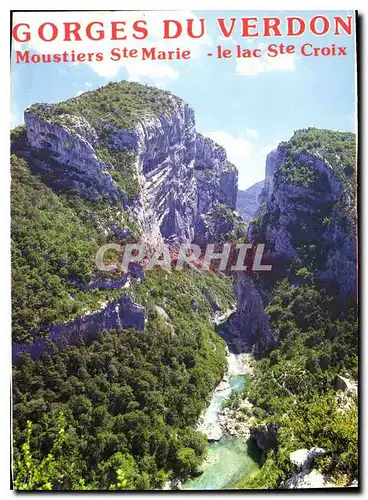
[218, 421]
[231, 455]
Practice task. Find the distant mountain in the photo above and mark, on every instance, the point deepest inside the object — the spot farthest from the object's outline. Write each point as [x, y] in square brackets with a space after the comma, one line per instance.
[247, 202]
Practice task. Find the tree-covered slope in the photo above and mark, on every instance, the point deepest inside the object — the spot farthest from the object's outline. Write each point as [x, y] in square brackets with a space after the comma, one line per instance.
[122, 104]
[129, 400]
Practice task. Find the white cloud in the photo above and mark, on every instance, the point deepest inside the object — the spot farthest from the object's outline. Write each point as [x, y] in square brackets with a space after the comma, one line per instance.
[240, 151]
[107, 68]
[248, 157]
[252, 132]
[237, 147]
[256, 65]
[79, 93]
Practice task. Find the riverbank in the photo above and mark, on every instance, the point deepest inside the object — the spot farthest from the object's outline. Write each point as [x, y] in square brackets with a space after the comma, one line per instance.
[217, 421]
[231, 454]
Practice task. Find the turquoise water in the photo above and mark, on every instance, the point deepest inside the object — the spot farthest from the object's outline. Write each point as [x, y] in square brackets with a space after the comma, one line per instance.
[238, 382]
[229, 459]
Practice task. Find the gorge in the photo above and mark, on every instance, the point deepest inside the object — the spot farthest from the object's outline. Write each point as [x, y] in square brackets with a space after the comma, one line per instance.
[125, 366]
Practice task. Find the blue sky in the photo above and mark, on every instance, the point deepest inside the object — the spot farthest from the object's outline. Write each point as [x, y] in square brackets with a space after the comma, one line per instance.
[247, 106]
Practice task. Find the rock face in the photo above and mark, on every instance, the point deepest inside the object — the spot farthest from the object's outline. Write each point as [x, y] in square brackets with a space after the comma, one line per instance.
[306, 478]
[234, 422]
[250, 322]
[347, 385]
[181, 174]
[70, 158]
[121, 313]
[217, 226]
[265, 436]
[307, 213]
[308, 201]
[247, 201]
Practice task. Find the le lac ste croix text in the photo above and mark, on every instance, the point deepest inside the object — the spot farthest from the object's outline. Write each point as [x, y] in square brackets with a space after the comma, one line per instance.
[130, 38]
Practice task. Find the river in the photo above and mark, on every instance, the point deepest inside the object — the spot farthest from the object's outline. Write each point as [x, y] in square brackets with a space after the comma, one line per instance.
[230, 458]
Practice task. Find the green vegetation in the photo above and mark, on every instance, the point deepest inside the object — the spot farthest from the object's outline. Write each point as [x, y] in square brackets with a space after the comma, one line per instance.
[221, 217]
[301, 175]
[124, 171]
[316, 331]
[338, 148]
[129, 400]
[121, 104]
[54, 243]
[294, 386]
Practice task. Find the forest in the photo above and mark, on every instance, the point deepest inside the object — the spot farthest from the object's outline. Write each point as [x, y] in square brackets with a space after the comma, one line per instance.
[129, 401]
[294, 387]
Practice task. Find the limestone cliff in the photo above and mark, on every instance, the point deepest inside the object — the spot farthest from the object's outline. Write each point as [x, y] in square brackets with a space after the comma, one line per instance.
[308, 205]
[128, 157]
[153, 165]
[307, 215]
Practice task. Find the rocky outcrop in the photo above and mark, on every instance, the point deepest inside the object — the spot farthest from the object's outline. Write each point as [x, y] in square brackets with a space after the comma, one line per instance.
[174, 484]
[307, 480]
[120, 313]
[250, 324]
[67, 154]
[347, 385]
[181, 174]
[217, 178]
[217, 422]
[265, 436]
[315, 210]
[306, 477]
